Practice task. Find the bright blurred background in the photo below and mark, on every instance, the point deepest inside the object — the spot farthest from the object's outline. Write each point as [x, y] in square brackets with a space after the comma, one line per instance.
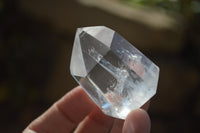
[36, 39]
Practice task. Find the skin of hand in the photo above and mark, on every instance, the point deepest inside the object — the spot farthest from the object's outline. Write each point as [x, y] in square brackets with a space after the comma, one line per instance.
[76, 112]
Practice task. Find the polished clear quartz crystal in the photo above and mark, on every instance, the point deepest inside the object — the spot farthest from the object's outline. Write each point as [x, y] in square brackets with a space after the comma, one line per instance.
[117, 76]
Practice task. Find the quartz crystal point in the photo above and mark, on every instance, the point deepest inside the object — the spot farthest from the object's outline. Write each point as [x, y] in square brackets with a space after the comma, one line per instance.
[116, 76]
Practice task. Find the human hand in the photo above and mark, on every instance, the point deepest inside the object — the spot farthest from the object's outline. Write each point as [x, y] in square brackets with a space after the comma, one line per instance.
[77, 112]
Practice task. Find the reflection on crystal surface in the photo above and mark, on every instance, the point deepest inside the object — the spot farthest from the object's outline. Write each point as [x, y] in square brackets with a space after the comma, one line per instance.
[117, 76]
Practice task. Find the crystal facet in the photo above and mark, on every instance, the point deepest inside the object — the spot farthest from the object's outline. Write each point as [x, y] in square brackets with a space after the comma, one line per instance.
[117, 76]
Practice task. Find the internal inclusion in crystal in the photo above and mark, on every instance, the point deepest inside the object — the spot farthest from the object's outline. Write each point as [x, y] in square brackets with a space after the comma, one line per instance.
[117, 79]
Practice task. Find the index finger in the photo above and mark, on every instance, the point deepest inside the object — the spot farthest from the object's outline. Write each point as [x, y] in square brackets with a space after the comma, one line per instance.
[65, 114]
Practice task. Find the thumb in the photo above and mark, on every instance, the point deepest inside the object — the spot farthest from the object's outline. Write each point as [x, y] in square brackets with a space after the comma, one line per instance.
[137, 121]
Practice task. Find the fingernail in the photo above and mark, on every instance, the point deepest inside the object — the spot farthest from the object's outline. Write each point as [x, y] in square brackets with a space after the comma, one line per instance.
[128, 127]
[29, 131]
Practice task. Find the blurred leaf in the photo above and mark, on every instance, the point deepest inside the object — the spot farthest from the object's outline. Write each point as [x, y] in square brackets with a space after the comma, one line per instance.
[184, 7]
[195, 5]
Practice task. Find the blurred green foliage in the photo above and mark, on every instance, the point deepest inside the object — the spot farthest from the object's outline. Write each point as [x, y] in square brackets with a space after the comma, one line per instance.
[184, 7]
